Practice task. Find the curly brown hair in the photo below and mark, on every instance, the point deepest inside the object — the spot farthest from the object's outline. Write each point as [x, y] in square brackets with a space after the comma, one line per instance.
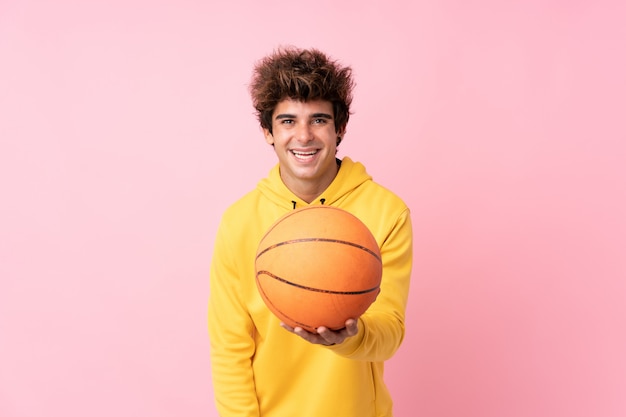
[301, 74]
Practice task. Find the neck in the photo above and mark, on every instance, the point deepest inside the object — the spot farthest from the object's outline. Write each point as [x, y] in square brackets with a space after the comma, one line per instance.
[310, 190]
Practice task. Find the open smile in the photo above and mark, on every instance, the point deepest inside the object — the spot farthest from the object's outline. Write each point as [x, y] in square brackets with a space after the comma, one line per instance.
[304, 156]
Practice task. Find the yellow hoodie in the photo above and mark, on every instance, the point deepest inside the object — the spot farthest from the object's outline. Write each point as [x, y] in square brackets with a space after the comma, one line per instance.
[261, 370]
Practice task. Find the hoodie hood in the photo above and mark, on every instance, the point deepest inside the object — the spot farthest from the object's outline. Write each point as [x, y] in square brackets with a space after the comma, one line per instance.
[350, 175]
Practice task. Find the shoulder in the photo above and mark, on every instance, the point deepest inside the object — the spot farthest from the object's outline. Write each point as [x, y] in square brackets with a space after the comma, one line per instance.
[234, 216]
[381, 197]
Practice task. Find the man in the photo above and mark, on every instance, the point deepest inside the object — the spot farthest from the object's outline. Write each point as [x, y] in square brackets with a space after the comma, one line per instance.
[264, 368]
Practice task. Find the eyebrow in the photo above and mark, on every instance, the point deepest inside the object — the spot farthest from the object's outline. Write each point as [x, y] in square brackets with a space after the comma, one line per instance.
[313, 116]
[321, 116]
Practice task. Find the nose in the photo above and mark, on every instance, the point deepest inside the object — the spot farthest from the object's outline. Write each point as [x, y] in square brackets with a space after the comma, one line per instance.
[303, 132]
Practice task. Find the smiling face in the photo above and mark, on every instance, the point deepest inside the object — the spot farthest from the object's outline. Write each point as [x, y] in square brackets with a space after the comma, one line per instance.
[305, 141]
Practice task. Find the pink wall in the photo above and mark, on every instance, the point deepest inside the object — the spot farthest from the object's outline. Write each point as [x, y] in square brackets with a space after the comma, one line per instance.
[126, 129]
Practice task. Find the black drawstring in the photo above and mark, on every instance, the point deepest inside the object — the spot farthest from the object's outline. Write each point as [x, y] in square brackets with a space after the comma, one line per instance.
[322, 201]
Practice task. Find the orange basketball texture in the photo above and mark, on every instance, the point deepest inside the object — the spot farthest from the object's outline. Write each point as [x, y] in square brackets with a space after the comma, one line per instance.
[318, 266]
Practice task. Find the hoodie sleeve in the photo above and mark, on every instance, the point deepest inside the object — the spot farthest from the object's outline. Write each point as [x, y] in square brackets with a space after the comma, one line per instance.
[230, 333]
[381, 327]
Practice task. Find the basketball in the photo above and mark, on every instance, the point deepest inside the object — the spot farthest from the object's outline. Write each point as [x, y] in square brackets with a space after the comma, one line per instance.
[318, 266]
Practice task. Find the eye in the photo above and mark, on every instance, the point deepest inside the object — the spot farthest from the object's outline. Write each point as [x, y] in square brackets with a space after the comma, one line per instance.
[286, 121]
[319, 121]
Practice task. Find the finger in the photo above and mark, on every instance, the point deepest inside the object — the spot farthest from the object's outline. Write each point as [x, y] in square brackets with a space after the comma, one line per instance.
[352, 327]
[314, 338]
[330, 337]
[309, 337]
[287, 327]
[325, 335]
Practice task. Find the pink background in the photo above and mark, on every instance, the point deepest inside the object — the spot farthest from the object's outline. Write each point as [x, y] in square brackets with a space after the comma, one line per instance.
[126, 129]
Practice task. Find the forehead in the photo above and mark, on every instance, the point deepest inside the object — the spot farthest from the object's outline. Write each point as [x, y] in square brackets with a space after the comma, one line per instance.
[303, 108]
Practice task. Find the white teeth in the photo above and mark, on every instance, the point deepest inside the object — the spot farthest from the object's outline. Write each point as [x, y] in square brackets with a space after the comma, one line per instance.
[304, 155]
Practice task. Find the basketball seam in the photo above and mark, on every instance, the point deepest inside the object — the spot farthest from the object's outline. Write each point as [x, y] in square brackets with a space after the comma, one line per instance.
[321, 290]
[320, 239]
[281, 312]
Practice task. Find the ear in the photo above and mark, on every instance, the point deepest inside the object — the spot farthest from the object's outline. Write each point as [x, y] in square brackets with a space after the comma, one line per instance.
[269, 138]
[340, 134]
